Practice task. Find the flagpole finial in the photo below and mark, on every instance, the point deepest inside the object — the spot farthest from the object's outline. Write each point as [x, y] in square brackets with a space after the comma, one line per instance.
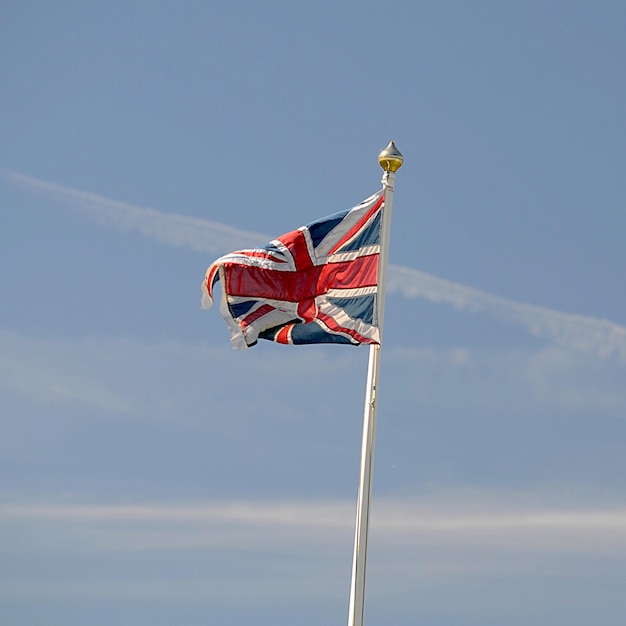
[391, 158]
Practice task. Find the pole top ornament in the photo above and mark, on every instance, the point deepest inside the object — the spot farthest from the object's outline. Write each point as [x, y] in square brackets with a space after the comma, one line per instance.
[391, 159]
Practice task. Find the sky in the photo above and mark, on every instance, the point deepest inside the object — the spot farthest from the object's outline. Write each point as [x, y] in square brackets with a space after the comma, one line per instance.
[151, 475]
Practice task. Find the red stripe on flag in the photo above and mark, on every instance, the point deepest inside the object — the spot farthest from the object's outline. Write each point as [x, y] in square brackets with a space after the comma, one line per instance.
[284, 334]
[307, 309]
[295, 242]
[255, 315]
[333, 326]
[358, 225]
[256, 282]
[210, 278]
[361, 272]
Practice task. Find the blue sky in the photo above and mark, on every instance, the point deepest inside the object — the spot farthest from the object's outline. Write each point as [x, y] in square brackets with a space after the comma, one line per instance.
[151, 475]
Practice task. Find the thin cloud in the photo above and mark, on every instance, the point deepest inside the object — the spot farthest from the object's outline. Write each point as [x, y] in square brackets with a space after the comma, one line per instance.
[264, 551]
[278, 522]
[581, 333]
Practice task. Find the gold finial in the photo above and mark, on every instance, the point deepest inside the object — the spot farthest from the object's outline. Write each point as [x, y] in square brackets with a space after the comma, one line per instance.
[391, 158]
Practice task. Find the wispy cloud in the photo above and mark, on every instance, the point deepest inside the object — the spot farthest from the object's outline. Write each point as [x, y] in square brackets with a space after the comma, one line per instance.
[41, 370]
[94, 373]
[85, 374]
[581, 333]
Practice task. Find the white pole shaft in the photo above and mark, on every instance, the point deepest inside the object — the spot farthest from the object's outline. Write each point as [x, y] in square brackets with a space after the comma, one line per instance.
[357, 589]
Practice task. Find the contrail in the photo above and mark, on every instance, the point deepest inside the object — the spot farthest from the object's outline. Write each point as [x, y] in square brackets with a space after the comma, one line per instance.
[582, 333]
[176, 230]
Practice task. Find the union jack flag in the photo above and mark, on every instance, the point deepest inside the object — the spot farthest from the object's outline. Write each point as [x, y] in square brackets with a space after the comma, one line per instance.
[316, 284]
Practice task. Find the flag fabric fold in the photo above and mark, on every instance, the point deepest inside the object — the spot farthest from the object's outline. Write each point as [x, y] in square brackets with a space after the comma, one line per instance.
[316, 284]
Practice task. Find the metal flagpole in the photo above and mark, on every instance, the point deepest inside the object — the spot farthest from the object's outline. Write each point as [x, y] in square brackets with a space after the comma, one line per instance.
[390, 160]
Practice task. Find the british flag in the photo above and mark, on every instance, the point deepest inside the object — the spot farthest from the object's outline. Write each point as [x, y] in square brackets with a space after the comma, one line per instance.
[316, 284]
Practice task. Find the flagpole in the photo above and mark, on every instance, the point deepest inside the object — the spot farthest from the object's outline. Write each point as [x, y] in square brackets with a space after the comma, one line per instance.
[390, 159]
